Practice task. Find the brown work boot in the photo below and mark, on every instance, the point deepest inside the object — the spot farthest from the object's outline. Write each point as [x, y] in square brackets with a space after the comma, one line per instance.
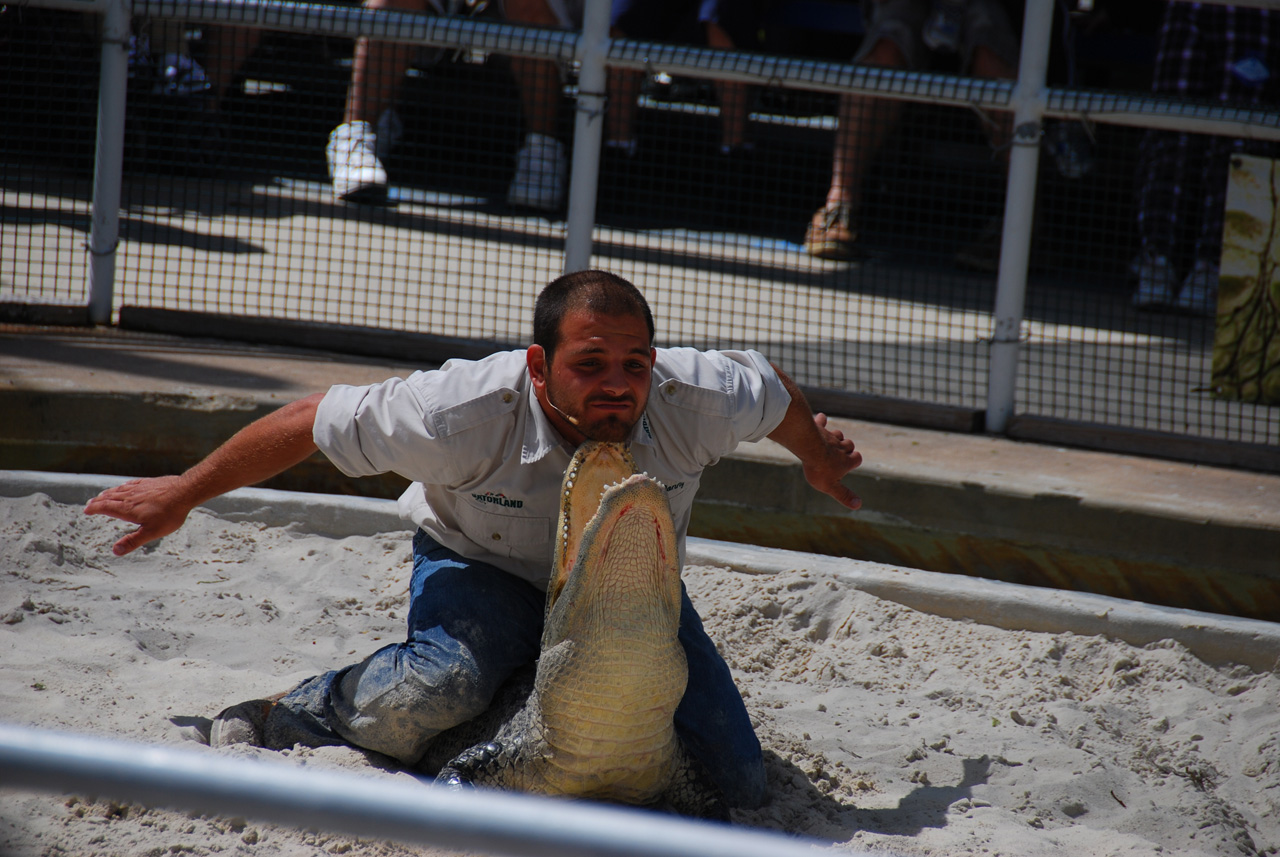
[242, 723]
[831, 233]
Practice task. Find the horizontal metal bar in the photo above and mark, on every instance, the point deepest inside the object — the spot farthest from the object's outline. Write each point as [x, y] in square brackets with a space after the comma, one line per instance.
[67, 5]
[355, 21]
[1165, 113]
[1246, 4]
[808, 74]
[489, 821]
[1116, 108]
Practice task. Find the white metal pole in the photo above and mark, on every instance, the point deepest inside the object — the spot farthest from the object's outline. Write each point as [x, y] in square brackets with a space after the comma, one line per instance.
[484, 820]
[587, 131]
[1019, 212]
[104, 230]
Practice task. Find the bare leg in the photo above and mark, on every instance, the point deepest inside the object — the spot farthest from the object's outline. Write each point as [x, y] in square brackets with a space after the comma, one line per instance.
[863, 124]
[537, 80]
[620, 118]
[732, 96]
[378, 68]
[983, 252]
[376, 73]
[539, 84]
[542, 167]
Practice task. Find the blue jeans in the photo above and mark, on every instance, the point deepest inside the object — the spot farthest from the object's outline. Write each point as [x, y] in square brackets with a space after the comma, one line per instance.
[470, 627]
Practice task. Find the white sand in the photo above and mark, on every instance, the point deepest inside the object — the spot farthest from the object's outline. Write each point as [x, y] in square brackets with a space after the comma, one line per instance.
[886, 728]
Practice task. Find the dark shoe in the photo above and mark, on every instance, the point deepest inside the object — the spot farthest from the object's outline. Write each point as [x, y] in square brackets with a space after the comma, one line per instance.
[831, 233]
[240, 724]
[1199, 292]
[1157, 282]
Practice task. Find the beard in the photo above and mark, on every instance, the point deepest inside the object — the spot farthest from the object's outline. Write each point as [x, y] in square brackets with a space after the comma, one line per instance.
[610, 428]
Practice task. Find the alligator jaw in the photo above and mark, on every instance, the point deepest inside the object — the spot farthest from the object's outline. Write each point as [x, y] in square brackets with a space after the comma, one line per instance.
[594, 467]
[625, 575]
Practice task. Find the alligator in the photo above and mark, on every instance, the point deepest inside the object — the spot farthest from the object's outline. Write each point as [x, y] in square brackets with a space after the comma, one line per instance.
[597, 722]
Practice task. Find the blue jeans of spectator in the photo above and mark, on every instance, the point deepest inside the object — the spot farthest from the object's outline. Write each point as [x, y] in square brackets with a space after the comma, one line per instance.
[471, 626]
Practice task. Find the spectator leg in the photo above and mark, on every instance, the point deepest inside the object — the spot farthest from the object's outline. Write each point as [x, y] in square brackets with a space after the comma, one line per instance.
[863, 124]
[378, 68]
[733, 96]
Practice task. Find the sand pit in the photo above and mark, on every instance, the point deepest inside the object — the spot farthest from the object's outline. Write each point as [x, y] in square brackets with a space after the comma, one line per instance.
[886, 728]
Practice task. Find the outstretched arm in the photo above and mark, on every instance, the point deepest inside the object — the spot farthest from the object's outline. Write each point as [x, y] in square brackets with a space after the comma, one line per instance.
[259, 451]
[826, 454]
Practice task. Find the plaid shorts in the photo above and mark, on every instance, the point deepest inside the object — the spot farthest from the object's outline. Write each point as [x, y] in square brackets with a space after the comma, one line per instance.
[1217, 54]
[1201, 44]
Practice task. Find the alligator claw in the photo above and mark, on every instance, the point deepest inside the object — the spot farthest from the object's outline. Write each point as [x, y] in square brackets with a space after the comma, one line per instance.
[453, 779]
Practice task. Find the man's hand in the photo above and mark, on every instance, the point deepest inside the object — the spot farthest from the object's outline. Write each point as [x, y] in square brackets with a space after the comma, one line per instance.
[258, 451]
[153, 504]
[826, 454]
[835, 459]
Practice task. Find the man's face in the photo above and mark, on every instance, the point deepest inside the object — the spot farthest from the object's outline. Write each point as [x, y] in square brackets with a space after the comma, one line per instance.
[598, 382]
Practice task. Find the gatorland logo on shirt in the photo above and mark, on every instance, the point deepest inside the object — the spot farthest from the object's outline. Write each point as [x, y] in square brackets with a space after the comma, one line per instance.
[498, 500]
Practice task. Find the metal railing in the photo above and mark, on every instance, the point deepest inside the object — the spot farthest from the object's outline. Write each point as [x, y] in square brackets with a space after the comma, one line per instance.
[490, 821]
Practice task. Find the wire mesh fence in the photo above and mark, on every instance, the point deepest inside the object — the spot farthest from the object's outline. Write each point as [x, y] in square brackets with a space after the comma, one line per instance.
[764, 192]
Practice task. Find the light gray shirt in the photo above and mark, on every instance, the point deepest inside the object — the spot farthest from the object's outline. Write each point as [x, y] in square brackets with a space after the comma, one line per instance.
[486, 464]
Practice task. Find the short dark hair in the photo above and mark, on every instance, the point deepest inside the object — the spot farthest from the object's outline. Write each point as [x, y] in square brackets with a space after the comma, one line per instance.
[597, 291]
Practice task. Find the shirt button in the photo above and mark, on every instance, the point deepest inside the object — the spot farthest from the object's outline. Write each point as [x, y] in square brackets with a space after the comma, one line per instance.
[506, 398]
[497, 537]
[670, 389]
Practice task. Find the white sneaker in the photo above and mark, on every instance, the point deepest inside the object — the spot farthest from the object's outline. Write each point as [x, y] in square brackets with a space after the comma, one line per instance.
[1199, 293]
[354, 168]
[1155, 283]
[542, 172]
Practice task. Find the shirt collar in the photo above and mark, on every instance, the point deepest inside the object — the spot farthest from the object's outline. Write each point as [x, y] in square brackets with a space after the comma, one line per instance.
[540, 437]
[642, 433]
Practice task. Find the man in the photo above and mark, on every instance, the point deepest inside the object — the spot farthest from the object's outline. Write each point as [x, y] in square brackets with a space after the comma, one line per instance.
[487, 443]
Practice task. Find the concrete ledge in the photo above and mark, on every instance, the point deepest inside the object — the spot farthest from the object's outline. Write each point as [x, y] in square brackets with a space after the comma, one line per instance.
[1160, 532]
[1213, 638]
[1141, 529]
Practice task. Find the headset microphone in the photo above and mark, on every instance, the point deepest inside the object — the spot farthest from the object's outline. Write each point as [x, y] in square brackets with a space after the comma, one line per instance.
[572, 420]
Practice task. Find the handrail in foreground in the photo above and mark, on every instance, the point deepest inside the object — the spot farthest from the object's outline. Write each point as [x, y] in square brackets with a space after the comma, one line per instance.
[495, 822]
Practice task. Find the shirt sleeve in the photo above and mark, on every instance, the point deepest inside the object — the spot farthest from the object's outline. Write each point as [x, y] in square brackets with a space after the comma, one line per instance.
[711, 401]
[381, 428]
[760, 399]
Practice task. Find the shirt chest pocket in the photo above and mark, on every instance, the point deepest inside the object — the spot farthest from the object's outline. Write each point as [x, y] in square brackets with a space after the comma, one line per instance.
[505, 532]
